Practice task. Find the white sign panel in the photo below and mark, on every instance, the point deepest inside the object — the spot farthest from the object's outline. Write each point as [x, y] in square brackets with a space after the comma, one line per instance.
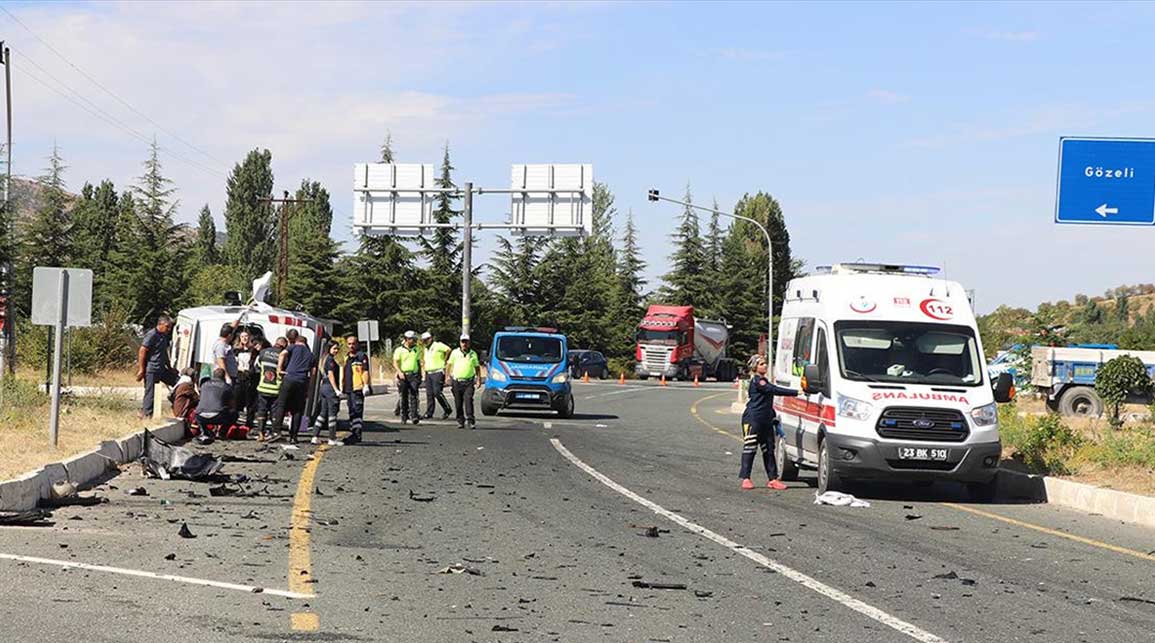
[368, 331]
[552, 200]
[390, 198]
[46, 284]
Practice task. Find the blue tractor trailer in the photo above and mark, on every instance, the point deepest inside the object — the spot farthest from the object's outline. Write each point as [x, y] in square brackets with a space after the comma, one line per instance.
[528, 370]
[1066, 376]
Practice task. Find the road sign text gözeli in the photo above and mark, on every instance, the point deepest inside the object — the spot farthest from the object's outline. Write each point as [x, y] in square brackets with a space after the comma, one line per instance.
[1106, 181]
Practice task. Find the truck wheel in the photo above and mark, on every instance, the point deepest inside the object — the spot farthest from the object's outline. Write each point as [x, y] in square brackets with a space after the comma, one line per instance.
[787, 470]
[827, 478]
[567, 410]
[488, 409]
[1081, 401]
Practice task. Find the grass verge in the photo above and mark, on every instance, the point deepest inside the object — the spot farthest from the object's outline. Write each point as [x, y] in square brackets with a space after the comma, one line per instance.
[84, 423]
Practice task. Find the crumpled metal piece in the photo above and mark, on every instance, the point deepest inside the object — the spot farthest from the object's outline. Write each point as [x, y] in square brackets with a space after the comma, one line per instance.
[159, 459]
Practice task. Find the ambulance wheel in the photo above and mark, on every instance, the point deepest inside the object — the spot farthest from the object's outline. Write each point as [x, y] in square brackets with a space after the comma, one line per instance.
[488, 409]
[787, 469]
[827, 478]
[566, 411]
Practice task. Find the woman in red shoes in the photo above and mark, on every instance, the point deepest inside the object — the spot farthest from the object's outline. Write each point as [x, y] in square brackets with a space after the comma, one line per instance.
[758, 425]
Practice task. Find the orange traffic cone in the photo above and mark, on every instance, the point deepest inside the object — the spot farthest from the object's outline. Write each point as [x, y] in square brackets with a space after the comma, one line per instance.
[696, 381]
[662, 382]
[586, 377]
[622, 378]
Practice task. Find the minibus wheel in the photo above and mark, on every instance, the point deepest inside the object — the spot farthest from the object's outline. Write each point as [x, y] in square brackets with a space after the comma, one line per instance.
[787, 470]
[827, 478]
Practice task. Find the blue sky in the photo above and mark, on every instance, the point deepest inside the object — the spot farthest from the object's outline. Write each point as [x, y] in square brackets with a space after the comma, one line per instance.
[925, 133]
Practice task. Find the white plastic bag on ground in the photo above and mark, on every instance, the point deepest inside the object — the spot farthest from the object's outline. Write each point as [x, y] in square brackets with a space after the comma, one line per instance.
[838, 499]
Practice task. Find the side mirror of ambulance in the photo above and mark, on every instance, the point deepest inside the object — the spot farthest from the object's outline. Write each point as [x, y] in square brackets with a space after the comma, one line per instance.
[811, 380]
[1004, 388]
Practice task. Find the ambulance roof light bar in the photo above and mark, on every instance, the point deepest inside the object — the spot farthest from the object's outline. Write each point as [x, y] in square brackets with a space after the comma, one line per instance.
[880, 268]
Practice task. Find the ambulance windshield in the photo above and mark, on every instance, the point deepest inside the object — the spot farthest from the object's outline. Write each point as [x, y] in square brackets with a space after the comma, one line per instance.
[908, 353]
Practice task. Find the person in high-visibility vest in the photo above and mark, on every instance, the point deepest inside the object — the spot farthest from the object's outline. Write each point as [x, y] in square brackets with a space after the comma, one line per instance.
[268, 385]
[433, 362]
[355, 385]
[407, 363]
[462, 370]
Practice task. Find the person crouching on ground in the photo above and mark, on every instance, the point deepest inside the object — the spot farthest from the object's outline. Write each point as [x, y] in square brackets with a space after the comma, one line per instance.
[215, 408]
[185, 396]
[758, 426]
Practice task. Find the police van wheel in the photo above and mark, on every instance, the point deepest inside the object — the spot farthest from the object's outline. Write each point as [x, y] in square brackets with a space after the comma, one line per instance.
[787, 469]
[827, 478]
[488, 409]
[566, 411]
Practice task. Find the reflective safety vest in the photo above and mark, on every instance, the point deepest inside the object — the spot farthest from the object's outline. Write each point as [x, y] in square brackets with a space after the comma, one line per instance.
[408, 358]
[435, 356]
[463, 366]
[270, 382]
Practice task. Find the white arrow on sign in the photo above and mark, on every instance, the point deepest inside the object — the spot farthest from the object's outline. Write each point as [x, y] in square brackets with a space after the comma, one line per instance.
[1103, 210]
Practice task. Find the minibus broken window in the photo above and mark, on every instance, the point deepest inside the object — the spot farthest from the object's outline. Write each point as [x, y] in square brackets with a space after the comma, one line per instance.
[908, 353]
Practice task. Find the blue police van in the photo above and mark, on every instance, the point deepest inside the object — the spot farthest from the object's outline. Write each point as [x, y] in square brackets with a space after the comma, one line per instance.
[528, 370]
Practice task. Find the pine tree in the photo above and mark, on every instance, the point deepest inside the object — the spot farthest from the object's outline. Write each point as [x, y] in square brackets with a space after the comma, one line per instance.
[630, 269]
[312, 253]
[742, 292]
[714, 243]
[250, 245]
[387, 148]
[764, 209]
[513, 270]
[686, 283]
[94, 229]
[206, 243]
[441, 311]
[47, 238]
[160, 252]
[378, 281]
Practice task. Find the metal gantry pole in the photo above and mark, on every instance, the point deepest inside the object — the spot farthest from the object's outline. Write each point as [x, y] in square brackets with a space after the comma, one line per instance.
[654, 195]
[467, 260]
[58, 357]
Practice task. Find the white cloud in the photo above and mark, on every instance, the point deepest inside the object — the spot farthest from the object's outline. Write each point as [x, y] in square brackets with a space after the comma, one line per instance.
[886, 96]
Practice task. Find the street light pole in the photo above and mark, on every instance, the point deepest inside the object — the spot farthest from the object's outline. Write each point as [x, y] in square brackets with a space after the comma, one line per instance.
[654, 195]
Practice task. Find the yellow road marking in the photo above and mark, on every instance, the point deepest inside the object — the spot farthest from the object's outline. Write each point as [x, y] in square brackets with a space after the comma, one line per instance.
[300, 560]
[978, 512]
[1051, 532]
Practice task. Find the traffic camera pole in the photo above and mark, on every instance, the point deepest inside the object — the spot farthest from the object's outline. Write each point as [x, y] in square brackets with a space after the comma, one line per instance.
[654, 195]
[467, 259]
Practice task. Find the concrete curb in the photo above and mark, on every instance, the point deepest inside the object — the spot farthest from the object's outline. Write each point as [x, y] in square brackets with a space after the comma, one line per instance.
[26, 492]
[1116, 505]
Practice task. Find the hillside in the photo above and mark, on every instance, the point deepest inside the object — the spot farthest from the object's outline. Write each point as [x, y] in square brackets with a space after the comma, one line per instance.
[1123, 316]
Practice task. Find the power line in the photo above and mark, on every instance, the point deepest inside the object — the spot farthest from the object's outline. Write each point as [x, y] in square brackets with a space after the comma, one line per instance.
[100, 114]
[105, 89]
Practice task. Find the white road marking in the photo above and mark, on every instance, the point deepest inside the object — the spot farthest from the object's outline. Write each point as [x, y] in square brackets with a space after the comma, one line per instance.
[628, 389]
[806, 581]
[143, 574]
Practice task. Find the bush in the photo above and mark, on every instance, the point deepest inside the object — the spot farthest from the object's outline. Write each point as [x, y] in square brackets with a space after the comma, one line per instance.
[1044, 444]
[617, 366]
[110, 344]
[1119, 379]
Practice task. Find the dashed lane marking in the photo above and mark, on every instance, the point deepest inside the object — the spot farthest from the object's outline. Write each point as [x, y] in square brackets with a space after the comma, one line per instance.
[978, 512]
[71, 564]
[300, 558]
[836, 595]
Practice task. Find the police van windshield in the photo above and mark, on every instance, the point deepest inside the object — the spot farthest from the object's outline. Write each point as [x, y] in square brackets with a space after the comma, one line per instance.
[529, 349]
[658, 336]
[908, 353]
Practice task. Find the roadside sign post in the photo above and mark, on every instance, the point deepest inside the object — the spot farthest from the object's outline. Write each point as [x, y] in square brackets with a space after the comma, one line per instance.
[546, 200]
[369, 332]
[61, 298]
[1106, 181]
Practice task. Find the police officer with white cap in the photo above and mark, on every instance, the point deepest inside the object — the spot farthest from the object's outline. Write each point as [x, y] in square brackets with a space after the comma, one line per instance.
[462, 371]
[407, 364]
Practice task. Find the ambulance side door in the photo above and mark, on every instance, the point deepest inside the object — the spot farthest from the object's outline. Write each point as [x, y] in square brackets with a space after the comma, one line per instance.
[817, 402]
[801, 406]
[782, 375]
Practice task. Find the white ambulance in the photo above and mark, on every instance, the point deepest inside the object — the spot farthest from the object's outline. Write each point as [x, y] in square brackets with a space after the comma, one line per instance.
[892, 380]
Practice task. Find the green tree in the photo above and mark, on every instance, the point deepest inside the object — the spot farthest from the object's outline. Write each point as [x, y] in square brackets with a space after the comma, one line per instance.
[47, 237]
[764, 209]
[160, 252]
[687, 282]
[206, 243]
[378, 281]
[1118, 379]
[95, 234]
[513, 271]
[311, 283]
[742, 286]
[437, 306]
[249, 223]
[630, 269]
[387, 148]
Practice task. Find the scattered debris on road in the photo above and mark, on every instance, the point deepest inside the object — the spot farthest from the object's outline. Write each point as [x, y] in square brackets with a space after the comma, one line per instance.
[165, 461]
[184, 531]
[137, 491]
[458, 568]
[416, 498]
[641, 584]
[838, 499]
[1136, 599]
[31, 518]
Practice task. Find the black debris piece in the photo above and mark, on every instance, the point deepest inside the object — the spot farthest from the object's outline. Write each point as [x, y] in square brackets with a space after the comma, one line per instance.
[650, 532]
[913, 516]
[160, 459]
[1136, 599]
[702, 593]
[137, 491]
[416, 498]
[317, 490]
[947, 576]
[184, 532]
[327, 522]
[944, 528]
[968, 581]
[870, 583]
[222, 490]
[170, 557]
[503, 628]
[641, 584]
[30, 518]
[458, 568]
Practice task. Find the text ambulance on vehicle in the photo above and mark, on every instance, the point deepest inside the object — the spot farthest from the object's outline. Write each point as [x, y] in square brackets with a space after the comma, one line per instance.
[893, 383]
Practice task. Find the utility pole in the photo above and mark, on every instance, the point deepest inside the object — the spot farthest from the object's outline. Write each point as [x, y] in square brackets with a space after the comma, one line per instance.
[283, 240]
[8, 329]
[467, 259]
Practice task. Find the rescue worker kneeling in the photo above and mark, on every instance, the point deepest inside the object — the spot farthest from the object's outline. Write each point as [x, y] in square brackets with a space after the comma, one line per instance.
[215, 410]
[758, 426]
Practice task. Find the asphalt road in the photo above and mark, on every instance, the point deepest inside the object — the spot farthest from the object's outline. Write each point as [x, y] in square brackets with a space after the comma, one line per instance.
[546, 521]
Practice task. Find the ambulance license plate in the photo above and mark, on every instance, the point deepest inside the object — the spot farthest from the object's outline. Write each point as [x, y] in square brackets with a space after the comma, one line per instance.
[529, 396]
[933, 455]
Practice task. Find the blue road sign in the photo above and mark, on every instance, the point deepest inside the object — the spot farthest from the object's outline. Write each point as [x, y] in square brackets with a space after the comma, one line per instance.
[1106, 181]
